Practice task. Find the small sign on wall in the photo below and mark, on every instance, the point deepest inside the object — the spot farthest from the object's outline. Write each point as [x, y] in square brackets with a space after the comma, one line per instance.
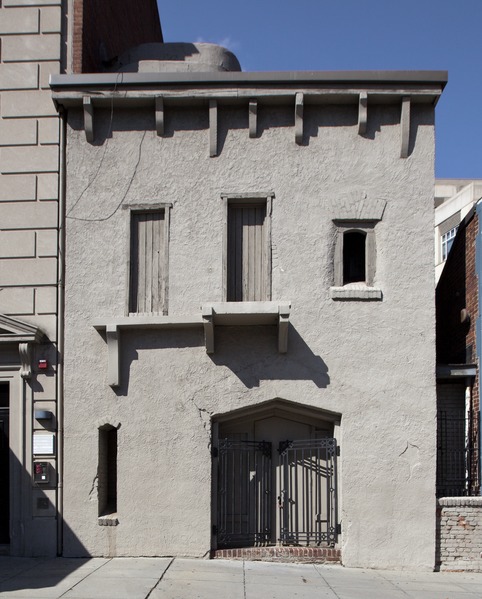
[43, 444]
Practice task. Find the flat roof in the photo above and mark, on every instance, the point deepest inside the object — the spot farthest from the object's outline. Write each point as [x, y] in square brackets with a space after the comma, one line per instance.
[118, 80]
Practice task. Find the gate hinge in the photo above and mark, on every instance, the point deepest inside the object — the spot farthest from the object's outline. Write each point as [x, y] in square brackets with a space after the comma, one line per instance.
[215, 530]
[214, 452]
[338, 529]
[338, 450]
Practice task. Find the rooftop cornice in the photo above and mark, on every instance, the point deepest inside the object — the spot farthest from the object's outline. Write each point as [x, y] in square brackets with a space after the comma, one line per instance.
[132, 90]
[360, 78]
[211, 90]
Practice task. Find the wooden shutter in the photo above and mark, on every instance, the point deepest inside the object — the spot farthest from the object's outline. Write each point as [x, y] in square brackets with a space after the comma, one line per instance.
[148, 266]
[247, 253]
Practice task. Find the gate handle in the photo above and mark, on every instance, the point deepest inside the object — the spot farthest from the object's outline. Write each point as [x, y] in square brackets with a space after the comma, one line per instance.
[280, 503]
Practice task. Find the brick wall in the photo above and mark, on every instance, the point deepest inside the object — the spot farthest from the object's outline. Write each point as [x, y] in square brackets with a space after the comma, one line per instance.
[459, 533]
[456, 341]
[472, 298]
[103, 30]
[457, 289]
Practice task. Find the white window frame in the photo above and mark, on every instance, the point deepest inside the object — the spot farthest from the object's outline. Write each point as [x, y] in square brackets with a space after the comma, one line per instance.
[446, 242]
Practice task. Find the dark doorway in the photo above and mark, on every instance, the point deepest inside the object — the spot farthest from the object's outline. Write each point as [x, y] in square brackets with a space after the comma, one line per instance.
[4, 465]
[276, 481]
[305, 497]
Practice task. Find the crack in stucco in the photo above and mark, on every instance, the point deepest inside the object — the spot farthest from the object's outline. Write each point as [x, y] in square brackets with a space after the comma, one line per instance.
[406, 448]
[93, 489]
[412, 455]
[206, 423]
[202, 413]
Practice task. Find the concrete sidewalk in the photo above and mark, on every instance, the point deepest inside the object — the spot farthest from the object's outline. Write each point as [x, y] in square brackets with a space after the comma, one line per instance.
[167, 578]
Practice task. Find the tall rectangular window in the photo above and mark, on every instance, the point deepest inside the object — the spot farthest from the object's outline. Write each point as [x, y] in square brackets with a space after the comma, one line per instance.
[248, 260]
[107, 470]
[447, 242]
[447, 230]
[148, 262]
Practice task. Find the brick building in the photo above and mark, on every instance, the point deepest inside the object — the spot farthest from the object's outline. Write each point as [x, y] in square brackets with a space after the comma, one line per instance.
[40, 38]
[458, 358]
[453, 200]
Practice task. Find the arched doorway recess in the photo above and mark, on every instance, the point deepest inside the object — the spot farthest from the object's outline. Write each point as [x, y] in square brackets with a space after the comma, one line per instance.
[275, 476]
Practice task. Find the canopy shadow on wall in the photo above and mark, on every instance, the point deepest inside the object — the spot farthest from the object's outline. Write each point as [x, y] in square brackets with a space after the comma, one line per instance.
[250, 354]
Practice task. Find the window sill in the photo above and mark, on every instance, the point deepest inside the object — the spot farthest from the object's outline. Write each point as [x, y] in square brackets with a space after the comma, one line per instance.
[108, 520]
[356, 292]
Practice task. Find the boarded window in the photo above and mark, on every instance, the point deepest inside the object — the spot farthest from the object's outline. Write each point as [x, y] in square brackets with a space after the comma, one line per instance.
[148, 263]
[248, 262]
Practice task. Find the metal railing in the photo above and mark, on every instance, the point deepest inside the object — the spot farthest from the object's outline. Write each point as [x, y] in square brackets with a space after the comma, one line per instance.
[457, 453]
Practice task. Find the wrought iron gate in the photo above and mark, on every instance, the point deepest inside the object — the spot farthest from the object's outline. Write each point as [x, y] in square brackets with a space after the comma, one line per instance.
[306, 486]
[307, 500]
[244, 497]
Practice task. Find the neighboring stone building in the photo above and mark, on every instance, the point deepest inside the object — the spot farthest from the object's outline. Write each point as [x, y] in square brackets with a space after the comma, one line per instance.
[249, 319]
[38, 38]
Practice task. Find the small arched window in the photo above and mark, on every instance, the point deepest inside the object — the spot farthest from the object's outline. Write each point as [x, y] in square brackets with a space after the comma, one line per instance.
[354, 257]
[354, 261]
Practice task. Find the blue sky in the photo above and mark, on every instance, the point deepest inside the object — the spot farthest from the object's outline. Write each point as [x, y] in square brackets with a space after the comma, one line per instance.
[277, 35]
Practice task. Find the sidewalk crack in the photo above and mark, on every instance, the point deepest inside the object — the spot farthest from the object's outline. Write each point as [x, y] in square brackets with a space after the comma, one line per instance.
[326, 582]
[394, 584]
[160, 579]
[87, 576]
[244, 579]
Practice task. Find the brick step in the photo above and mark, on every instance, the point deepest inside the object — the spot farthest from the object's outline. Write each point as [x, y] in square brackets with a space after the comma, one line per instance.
[281, 554]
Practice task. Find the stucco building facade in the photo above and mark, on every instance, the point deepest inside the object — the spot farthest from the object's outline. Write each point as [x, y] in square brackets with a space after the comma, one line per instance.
[249, 320]
[40, 38]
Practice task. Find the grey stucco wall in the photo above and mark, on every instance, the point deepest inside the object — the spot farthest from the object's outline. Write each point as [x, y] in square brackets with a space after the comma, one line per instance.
[373, 362]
